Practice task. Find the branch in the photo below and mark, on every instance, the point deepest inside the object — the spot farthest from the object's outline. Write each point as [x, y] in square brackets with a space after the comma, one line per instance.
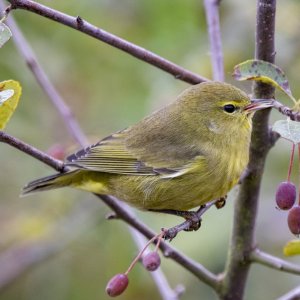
[26, 148]
[213, 23]
[274, 262]
[291, 295]
[242, 237]
[41, 77]
[293, 115]
[81, 25]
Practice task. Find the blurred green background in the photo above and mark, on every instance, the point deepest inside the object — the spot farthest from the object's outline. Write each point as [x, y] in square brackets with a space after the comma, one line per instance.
[107, 91]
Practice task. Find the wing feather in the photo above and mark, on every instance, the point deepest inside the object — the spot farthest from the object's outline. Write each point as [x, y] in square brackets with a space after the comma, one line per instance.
[111, 155]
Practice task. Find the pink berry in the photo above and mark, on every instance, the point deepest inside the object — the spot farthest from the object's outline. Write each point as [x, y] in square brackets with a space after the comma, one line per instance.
[117, 285]
[286, 195]
[294, 220]
[151, 261]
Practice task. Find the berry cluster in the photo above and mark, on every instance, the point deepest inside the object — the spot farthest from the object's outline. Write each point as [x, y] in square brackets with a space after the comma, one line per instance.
[286, 198]
[151, 261]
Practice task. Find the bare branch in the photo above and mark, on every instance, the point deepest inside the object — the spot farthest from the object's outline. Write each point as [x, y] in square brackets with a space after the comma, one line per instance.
[81, 25]
[43, 80]
[26, 148]
[293, 115]
[274, 262]
[213, 23]
[291, 295]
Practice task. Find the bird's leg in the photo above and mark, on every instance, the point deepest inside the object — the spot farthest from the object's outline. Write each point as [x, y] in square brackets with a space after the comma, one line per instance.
[191, 217]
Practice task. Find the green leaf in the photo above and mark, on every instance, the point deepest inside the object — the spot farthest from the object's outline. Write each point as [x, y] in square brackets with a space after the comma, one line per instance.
[265, 72]
[5, 34]
[10, 92]
[288, 129]
[292, 248]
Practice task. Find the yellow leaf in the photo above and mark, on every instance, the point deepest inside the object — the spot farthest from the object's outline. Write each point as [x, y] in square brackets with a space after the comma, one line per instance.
[292, 248]
[10, 92]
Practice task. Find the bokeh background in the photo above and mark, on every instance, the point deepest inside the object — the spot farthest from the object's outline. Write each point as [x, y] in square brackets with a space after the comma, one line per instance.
[65, 233]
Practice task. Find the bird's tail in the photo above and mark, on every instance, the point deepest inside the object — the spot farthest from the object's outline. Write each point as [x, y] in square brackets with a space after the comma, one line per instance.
[48, 183]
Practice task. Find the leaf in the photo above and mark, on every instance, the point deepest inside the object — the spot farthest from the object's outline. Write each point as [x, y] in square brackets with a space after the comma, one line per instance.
[292, 248]
[265, 72]
[5, 34]
[288, 129]
[10, 92]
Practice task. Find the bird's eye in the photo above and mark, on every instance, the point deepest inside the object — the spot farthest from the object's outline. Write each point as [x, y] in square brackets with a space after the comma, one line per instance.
[229, 108]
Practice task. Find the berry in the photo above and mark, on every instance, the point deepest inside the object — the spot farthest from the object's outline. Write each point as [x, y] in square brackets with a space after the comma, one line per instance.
[294, 220]
[151, 261]
[286, 195]
[117, 285]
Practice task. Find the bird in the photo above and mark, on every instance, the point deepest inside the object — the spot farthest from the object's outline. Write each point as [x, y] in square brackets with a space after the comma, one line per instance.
[182, 156]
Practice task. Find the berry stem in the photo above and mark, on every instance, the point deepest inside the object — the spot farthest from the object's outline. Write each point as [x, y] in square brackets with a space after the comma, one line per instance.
[158, 237]
[291, 162]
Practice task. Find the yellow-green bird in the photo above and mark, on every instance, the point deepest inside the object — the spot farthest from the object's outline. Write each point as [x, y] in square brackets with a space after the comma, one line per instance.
[179, 157]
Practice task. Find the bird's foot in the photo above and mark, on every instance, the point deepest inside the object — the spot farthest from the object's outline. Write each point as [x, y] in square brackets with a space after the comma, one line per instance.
[192, 218]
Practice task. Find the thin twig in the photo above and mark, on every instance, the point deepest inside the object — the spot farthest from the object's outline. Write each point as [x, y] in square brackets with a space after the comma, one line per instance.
[26, 148]
[294, 294]
[81, 25]
[293, 115]
[214, 32]
[274, 262]
[41, 77]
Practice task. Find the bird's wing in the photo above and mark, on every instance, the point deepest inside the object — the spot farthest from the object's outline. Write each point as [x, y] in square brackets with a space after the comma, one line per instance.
[112, 156]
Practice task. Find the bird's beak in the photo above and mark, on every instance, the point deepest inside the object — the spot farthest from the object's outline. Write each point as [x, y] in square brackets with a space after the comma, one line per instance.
[258, 104]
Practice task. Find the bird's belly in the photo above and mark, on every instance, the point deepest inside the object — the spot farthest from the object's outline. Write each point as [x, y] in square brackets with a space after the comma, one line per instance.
[180, 193]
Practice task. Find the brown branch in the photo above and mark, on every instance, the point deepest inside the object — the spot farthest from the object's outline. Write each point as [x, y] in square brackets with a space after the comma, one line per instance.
[213, 24]
[81, 25]
[26, 148]
[293, 115]
[242, 236]
[294, 294]
[274, 262]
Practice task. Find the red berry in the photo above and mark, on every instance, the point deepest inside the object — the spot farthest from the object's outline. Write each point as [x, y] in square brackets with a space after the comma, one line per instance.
[151, 261]
[117, 285]
[286, 195]
[294, 220]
